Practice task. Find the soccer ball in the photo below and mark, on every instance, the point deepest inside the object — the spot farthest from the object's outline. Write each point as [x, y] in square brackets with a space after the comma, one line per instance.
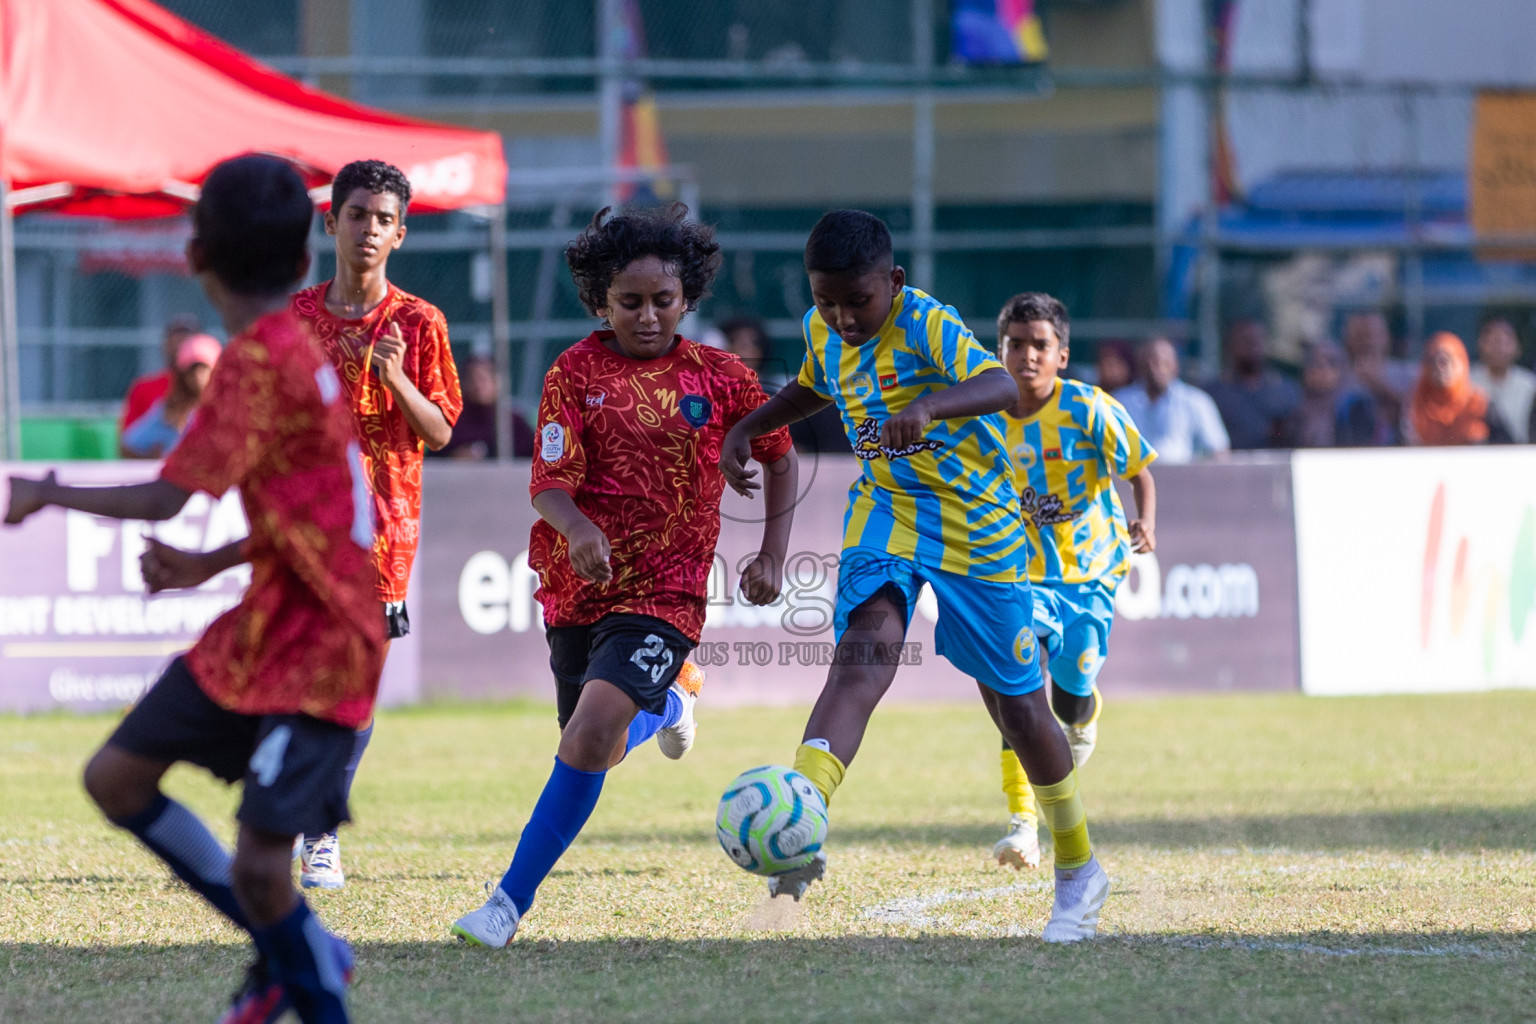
[771, 819]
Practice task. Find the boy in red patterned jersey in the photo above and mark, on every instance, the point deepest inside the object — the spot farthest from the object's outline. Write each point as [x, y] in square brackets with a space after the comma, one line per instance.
[391, 351]
[627, 485]
[274, 691]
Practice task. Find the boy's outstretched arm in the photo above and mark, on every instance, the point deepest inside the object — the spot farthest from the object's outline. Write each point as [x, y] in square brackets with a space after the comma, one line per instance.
[1143, 528]
[589, 547]
[793, 403]
[989, 391]
[168, 568]
[153, 501]
[762, 579]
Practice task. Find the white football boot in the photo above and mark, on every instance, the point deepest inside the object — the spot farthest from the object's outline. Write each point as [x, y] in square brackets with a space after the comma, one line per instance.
[1020, 848]
[1080, 895]
[493, 925]
[677, 740]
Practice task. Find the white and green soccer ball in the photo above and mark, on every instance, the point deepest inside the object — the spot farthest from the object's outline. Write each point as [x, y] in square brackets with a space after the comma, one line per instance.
[771, 819]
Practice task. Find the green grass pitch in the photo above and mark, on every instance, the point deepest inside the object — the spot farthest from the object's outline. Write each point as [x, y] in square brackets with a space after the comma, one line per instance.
[1274, 859]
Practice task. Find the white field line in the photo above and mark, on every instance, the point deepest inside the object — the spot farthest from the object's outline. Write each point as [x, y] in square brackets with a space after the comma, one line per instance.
[1454, 950]
[914, 912]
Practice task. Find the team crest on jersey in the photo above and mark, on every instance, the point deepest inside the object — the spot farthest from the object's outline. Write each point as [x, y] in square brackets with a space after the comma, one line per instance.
[552, 442]
[695, 409]
[861, 385]
[1024, 646]
[1024, 456]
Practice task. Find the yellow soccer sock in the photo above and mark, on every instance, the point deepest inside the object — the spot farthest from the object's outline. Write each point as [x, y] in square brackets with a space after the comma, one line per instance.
[822, 767]
[1021, 801]
[1063, 812]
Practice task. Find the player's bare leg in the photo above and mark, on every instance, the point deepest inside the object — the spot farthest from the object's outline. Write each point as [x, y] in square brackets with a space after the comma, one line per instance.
[123, 784]
[861, 674]
[598, 730]
[1028, 724]
[863, 667]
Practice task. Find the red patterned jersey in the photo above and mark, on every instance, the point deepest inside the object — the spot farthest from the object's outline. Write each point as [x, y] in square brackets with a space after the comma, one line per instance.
[307, 636]
[636, 443]
[391, 450]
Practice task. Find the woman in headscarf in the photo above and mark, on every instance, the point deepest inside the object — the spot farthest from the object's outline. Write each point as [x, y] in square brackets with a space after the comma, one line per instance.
[1446, 407]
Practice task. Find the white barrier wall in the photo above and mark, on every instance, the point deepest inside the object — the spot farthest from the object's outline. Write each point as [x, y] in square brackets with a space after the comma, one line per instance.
[1417, 569]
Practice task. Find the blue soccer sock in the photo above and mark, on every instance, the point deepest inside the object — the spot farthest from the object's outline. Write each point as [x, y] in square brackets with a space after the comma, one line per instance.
[178, 837]
[563, 808]
[310, 963]
[646, 724]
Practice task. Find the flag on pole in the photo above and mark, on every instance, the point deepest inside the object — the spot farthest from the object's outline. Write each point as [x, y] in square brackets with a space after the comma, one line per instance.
[997, 32]
[642, 144]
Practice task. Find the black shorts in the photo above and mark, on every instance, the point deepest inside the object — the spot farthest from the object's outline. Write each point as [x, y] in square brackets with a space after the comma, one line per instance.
[639, 654]
[294, 766]
[396, 622]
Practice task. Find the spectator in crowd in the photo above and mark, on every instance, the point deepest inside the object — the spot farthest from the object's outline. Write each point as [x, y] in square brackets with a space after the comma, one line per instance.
[1179, 420]
[1368, 344]
[1114, 365]
[747, 339]
[145, 391]
[1446, 408]
[1511, 389]
[474, 435]
[157, 429]
[1332, 412]
[1255, 401]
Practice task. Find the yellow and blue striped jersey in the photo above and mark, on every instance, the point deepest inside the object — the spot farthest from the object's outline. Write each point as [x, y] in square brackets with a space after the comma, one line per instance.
[946, 502]
[1065, 459]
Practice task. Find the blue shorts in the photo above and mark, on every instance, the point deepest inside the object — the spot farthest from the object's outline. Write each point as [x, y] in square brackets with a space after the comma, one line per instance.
[985, 628]
[1073, 621]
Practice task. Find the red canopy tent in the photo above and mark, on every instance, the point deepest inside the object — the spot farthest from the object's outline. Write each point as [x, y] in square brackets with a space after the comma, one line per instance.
[116, 108]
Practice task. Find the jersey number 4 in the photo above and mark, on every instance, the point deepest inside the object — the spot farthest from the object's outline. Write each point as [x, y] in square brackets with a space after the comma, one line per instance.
[653, 657]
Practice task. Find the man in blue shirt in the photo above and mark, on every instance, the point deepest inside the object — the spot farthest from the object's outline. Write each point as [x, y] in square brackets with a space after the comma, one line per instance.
[1179, 420]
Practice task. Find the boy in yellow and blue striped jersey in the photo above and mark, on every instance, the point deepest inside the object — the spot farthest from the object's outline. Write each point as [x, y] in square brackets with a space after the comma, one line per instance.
[1068, 441]
[934, 503]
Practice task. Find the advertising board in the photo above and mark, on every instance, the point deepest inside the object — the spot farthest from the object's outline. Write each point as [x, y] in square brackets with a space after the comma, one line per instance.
[1417, 569]
[1212, 610]
[77, 628]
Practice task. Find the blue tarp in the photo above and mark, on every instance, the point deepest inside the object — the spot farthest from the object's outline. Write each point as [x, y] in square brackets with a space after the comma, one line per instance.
[1326, 210]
